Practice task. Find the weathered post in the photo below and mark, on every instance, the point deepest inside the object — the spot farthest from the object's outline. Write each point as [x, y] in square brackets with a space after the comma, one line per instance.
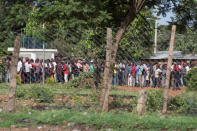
[141, 103]
[12, 94]
[166, 90]
[106, 84]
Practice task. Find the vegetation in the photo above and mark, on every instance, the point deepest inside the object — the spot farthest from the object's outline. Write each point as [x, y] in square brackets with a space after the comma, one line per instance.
[191, 79]
[123, 121]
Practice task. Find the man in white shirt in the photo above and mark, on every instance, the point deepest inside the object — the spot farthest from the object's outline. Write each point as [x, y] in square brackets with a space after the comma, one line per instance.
[28, 67]
[187, 68]
[19, 66]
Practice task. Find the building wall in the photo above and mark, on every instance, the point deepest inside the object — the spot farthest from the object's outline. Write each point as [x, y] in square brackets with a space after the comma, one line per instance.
[36, 53]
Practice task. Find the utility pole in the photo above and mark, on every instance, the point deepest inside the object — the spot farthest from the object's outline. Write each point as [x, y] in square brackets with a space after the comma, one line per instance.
[156, 23]
[170, 57]
[43, 73]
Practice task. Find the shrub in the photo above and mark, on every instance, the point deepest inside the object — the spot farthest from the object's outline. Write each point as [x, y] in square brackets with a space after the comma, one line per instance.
[38, 93]
[176, 103]
[76, 82]
[191, 79]
[22, 92]
[42, 94]
[154, 100]
[184, 105]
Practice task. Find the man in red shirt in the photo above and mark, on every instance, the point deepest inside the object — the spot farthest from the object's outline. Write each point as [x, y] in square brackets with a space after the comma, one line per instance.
[66, 71]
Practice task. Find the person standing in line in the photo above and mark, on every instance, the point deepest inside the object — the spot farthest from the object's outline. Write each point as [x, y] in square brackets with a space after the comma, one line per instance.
[59, 70]
[115, 75]
[183, 74]
[120, 76]
[157, 76]
[176, 78]
[19, 68]
[137, 75]
[126, 73]
[144, 74]
[86, 67]
[19, 65]
[164, 71]
[27, 71]
[37, 71]
[54, 69]
[133, 74]
[148, 75]
[141, 67]
[91, 66]
[66, 72]
[129, 80]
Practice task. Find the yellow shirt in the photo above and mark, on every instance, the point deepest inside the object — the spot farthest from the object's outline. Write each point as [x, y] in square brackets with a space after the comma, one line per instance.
[115, 69]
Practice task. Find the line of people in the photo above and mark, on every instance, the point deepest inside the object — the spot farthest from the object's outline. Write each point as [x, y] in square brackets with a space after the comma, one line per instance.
[146, 74]
[141, 74]
[60, 70]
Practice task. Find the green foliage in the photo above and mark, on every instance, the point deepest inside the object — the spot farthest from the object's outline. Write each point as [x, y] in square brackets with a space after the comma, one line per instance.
[191, 79]
[154, 100]
[137, 41]
[38, 93]
[183, 104]
[104, 121]
[18, 79]
[76, 81]
[185, 41]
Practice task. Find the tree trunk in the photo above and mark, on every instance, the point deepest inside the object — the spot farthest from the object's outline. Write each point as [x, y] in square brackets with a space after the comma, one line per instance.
[12, 94]
[141, 103]
[166, 90]
[107, 72]
[111, 52]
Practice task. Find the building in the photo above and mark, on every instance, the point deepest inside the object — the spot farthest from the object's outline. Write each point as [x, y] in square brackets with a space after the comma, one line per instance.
[36, 53]
[32, 49]
[178, 56]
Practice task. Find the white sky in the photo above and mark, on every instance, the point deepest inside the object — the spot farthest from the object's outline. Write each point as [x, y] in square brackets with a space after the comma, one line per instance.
[164, 20]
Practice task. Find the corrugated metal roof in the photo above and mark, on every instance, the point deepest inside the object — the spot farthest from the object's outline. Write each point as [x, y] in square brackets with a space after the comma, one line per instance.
[176, 55]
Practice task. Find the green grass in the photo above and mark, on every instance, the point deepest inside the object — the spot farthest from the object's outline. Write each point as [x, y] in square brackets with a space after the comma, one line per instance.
[123, 121]
[59, 89]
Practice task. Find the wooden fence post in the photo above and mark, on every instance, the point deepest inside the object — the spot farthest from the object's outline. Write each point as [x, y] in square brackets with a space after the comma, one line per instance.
[14, 62]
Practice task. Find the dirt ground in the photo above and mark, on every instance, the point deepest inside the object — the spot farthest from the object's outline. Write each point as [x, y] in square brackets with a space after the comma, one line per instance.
[3, 98]
[137, 89]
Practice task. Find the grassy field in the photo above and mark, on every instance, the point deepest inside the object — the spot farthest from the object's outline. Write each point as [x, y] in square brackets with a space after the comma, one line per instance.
[123, 121]
[117, 119]
[59, 89]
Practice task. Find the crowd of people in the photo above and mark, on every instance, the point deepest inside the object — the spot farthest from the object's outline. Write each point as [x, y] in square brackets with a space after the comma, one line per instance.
[60, 70]
[149, 74]
[139, 74]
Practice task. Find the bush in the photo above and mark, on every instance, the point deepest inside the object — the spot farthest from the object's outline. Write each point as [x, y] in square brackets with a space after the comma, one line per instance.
[42, 94]
[184, 105]
[176, 103]
[154, 100]
[22, 92]
[76, 82]
[191, 79]
[38, 93]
